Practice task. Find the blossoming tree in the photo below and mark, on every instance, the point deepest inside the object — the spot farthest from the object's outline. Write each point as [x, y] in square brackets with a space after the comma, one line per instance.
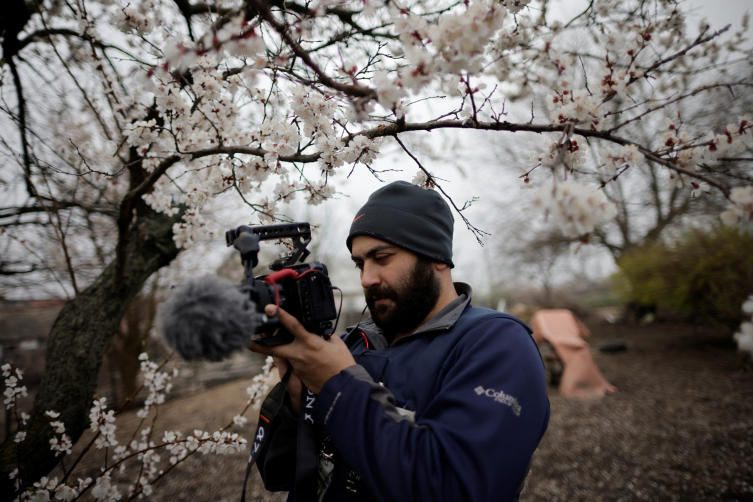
[122, 120]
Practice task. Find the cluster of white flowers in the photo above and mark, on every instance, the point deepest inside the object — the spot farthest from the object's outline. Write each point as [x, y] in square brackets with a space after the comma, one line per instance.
[193, 228]
[280, 138]
[149, 458]
[240, 420]
[220, 442]
[672, 138]
[259, 386]
[175, 446]
[614, 158]
[735, 138]
[454, 44]
[319, 191]
[389, 90]
[12, 389]
[461, 38]
[235, 37]
[423, 180]
[104, 490]
[141, 134]
[315, 110]
[744, 337]
[621, 45]
[329, 154]
[103, 423]
[574, 208]
[509, 40]
[161, 201]
[576, 106]
[46, 489]
[60, 443]
[248, 173]
[688, 151]
[515, 6]
[144, 450]
[572, 152]
[132, 21]
[361, 149]
[740, 210]
[615, 82]
[267, 210]
[156, 382]
[286, 189]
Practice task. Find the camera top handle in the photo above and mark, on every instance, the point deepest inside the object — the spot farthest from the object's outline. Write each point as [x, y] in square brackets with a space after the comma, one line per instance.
[246, 240]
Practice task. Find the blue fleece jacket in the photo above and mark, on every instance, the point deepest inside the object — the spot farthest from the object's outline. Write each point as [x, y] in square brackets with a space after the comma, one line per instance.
[452, 412]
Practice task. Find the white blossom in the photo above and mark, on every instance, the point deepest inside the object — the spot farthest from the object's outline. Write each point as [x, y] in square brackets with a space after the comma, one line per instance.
[740, 210]
[748, 305]
[613, 159]
[574, 208]
[423, 180]
[130, 20]
[699, 188]
[361, 149]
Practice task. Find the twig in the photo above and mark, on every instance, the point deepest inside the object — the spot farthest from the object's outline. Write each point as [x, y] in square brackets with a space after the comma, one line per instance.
[354, 90]
[477, 233]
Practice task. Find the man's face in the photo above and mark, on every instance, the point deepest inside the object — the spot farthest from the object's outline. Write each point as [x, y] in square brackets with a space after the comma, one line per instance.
[401, 288]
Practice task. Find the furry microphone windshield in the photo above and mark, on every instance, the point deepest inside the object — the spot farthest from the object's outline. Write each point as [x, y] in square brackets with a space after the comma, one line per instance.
[208, 318]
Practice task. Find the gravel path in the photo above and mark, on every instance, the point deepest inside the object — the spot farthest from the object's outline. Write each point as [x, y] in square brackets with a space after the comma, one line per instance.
[680, 427]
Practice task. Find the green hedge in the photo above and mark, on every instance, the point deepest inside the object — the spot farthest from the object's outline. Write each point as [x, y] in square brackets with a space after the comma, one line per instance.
[703, 275]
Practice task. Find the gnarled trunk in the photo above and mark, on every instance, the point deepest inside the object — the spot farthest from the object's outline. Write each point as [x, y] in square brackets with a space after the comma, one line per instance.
[77, 343]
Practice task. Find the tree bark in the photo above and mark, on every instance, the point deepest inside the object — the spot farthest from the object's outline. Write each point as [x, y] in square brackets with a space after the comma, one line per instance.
[77, 343]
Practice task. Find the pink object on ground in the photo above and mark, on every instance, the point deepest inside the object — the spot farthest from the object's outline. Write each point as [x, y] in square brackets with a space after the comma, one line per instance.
[565, 333]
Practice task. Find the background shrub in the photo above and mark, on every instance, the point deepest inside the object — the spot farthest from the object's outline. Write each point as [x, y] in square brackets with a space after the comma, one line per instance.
[702, 275]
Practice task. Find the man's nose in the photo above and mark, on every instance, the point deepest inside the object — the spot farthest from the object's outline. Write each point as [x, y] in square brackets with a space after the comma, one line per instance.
[369, 277]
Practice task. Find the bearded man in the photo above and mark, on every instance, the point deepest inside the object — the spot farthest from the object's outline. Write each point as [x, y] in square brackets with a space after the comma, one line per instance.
[429, 399]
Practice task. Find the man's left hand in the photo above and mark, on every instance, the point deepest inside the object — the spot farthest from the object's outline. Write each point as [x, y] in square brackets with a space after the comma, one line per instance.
[314, 359]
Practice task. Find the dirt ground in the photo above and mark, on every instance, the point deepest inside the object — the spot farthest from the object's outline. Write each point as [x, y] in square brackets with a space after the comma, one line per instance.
[680, 428]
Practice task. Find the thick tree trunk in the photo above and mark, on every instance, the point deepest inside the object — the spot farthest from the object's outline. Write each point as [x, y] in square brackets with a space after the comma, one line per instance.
[77, 343]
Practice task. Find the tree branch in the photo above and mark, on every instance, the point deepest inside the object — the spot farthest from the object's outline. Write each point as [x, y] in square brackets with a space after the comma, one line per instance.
[354, 90]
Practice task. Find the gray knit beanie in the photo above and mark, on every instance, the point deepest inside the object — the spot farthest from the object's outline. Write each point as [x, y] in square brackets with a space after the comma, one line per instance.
[410, 217]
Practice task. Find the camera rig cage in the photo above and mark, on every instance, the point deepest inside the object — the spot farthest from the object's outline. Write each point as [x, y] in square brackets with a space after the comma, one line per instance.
[301, 289]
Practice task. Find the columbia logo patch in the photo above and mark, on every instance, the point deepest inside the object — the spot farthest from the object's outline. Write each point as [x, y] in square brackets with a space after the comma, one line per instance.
[501, 397]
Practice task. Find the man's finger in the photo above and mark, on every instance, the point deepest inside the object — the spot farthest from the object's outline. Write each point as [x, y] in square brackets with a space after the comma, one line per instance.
[293, 325]
[261, 349]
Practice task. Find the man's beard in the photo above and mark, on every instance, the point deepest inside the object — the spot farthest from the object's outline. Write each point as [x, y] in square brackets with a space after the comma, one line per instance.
[413, 298]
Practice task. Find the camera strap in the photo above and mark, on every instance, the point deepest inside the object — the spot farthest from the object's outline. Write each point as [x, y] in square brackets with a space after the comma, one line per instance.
[307, 453]
[269, 410]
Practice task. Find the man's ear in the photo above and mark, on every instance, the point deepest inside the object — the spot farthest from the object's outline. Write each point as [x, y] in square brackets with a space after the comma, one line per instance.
[440, 266]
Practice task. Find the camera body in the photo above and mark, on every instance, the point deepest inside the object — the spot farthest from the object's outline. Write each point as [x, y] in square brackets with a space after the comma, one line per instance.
[301, 289]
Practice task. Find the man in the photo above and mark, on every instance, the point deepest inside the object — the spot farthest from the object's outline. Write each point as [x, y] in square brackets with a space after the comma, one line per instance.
[429, 399]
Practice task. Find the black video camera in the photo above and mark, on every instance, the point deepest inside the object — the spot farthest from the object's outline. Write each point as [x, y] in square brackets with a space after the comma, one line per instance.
[302, 290]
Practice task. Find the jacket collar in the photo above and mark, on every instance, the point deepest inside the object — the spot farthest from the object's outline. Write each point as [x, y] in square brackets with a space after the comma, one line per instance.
[442, 320]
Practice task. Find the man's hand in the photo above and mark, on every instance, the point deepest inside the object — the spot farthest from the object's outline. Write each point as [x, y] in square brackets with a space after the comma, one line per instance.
[314, 360]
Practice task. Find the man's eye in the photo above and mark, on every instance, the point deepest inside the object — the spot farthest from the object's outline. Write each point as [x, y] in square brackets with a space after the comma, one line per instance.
[359, 266]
